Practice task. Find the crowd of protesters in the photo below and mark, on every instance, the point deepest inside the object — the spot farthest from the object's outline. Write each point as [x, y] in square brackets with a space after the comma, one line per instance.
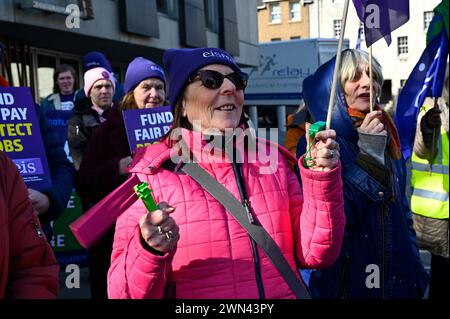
[334, 209]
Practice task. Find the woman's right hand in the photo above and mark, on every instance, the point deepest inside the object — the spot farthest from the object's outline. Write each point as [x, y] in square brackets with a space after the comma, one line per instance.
[324, 150]
[158, 230]
[373, 124]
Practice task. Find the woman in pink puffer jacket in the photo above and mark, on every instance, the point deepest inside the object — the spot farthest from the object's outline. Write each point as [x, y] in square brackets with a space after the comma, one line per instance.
[192, 247]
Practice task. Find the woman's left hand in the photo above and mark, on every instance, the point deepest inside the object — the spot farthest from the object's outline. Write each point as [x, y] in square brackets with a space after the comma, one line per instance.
[40, 201]
[325, 150]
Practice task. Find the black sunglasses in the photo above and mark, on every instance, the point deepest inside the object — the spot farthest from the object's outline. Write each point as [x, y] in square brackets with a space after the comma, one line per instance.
[213, 79]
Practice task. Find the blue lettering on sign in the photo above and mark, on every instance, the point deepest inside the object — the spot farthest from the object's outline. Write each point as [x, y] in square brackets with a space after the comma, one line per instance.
[57, 122]
[291, 72]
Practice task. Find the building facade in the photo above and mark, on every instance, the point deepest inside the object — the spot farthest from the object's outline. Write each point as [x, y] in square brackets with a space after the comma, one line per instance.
[397, 60]
[41, 34]
[282, 20]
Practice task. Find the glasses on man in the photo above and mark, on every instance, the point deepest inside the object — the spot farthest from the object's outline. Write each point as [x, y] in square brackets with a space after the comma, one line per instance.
[214, 80]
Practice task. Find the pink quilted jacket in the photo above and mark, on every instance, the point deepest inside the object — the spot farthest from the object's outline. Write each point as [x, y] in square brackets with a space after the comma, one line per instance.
[214, 258]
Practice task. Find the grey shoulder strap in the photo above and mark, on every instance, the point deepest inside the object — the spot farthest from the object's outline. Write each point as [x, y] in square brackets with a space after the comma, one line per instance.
[257, 232]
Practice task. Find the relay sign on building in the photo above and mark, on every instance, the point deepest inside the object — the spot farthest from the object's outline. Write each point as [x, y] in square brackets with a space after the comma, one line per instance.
[283, 65]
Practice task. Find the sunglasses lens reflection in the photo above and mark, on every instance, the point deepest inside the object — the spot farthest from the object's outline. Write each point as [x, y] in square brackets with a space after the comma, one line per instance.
[214, 80]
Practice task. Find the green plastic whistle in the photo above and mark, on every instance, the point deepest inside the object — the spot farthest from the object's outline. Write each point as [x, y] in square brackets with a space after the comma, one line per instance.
[316, 128]
[145, 193]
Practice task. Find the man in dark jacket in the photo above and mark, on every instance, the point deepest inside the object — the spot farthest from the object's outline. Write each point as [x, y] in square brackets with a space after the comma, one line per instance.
[99, 86]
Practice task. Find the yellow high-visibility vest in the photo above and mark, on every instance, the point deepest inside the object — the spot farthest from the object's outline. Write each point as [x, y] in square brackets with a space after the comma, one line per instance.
[430, 182]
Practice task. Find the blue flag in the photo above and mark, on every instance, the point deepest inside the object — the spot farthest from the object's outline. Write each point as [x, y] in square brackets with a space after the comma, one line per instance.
[426, 79]
[381, 17]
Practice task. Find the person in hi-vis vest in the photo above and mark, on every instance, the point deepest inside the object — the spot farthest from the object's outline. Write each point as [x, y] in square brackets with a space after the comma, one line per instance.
[429, 182]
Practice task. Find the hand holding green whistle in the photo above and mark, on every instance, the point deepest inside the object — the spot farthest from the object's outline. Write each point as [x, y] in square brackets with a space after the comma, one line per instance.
[315, 128]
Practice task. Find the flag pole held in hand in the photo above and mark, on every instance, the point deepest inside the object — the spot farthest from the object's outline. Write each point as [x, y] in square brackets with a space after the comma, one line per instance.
[337, 65]
[436, 106]
[370, 79]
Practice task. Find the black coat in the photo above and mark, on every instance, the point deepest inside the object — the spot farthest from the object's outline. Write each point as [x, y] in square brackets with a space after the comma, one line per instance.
[99, 171]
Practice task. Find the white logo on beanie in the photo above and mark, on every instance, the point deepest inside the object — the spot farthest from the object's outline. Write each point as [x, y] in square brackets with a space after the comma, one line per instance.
[156, 68]
[216, 54]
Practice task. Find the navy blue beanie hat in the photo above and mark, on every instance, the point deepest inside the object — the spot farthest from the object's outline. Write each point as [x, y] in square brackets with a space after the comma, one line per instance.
[95, 59]
[140, 69]
[180, 64]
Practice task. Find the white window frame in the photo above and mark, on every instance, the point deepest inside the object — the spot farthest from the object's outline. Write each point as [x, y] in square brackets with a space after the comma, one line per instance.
[272, 13]
[337, 27]
[402, 45]
[292, 11]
